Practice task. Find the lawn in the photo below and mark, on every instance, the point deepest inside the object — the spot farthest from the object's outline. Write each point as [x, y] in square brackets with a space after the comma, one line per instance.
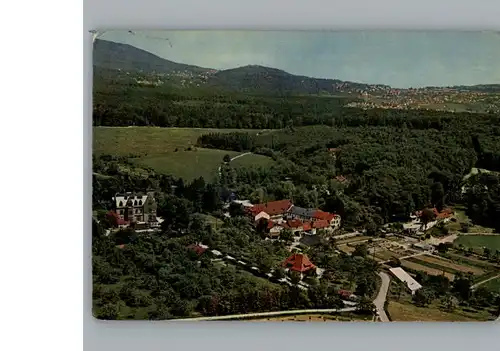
[477, 242]
[493, 285]
[144, 141]
[156, 148]
[407, 312]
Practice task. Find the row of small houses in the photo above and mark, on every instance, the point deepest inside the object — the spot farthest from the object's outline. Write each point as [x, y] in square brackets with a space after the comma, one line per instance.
[283, 214]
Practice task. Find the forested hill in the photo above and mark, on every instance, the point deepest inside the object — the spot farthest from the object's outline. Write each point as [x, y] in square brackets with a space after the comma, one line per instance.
[265, 79]
[111, 55]
[252, 78]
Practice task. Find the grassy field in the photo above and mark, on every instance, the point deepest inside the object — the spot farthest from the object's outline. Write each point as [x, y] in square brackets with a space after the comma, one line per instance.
[493, 285]
[407, 312]
[446, 265]
[144, 141]
[169, 150]
[429, 270]
[477, 242]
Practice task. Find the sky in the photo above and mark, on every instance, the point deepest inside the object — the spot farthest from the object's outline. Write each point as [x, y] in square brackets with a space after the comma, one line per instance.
[398, 59]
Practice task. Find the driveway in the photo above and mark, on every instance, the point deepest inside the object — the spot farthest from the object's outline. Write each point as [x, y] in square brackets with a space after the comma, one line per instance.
[381, 297]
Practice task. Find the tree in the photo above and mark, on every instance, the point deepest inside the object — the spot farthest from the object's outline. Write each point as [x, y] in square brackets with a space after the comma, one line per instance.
[486, 252]
[427, 216]
[109, 311]
[361, 250]
[449, 302]
[423, 297]
[365, 306]
[236, 210]
[462, 286]
[437, 195]
[295, 277]
[286, 235]
[227, 158]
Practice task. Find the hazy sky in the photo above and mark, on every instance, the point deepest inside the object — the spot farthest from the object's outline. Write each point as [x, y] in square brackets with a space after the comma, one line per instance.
[399, 59]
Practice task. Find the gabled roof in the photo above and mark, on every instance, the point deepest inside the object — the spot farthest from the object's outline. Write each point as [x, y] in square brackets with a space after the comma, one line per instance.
[272, 208]
[318, 214]
[294, 223]
[299, 263]
[301, 211]
[306, 226]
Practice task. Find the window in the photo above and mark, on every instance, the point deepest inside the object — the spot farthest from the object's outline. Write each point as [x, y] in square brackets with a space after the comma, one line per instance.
[135, 203]
[140, 202]
[120, 204]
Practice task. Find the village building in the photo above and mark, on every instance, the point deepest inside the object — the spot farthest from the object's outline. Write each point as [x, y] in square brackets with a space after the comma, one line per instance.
[411, 284]
[300, 263]
[275, 209]
[135, 209]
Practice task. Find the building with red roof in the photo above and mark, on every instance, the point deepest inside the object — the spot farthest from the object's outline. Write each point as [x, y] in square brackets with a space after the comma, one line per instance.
[299, 263]
[116, 221]
[274, 208]
[199, 249]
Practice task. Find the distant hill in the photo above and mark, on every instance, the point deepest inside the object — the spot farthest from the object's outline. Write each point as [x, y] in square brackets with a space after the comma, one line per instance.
[259, 78]
[111, 55]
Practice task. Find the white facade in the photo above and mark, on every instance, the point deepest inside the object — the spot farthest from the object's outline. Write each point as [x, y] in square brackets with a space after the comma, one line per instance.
[262, 215]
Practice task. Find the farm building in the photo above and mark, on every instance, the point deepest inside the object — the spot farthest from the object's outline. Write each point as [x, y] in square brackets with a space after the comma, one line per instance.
[405, 278]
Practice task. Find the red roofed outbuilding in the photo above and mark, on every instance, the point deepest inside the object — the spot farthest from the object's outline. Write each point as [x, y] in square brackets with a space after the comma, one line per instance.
[299, 263]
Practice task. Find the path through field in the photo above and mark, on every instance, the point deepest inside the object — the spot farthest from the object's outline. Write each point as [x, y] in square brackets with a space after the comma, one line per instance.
[485, 281]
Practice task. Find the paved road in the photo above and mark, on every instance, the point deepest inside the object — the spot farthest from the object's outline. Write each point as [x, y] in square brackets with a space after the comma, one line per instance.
[381, 297]
[270, 314]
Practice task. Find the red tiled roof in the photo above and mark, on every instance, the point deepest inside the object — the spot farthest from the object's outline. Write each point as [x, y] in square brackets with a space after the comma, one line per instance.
[298, 263]
[197, 248]
[345, 293]
[294, 223]
[320, 224]
[114, 215]
[272, 208]
[445, 213]
[307, 226]
[323, 215]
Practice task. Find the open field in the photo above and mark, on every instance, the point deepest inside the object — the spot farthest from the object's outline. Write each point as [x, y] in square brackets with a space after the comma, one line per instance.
[353, 240]
[477, 242]
[407, 312]
[493, 285]
[142, 141]
[436, 262]
[419, 267]
[385, 255]
[471, 261]
[346, 248]
[156, 148]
